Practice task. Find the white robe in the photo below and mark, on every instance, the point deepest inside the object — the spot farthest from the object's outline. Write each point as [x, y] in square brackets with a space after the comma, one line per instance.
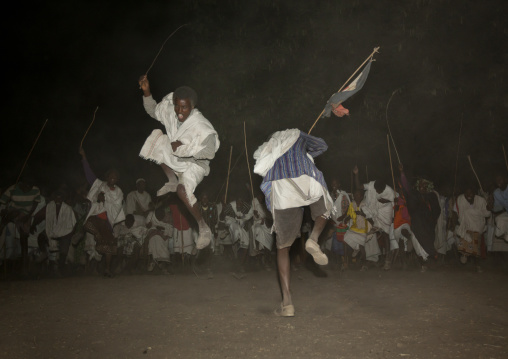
[381, 213]
[136, 201]
[396, 235]
[113, 204]
[235, 225]
[59, 225]
[355, 239]
[191, 133]
[472, 217]
[260, 232]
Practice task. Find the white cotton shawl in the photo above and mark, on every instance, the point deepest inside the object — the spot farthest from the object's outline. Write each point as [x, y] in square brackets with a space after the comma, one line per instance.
[471, 216]
[137, 201]
[113, 204]
[381, 213]
[278, 144]
[192, 132]
[152, 218]
[61, 225]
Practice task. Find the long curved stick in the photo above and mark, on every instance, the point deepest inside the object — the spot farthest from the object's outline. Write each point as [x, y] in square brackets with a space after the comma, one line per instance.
[388, 124]
[469, 158]
[457, 160]
[229, 168]
[164, 43]
[505, 160]
[29, 153]
[247, 156]
[88, 129]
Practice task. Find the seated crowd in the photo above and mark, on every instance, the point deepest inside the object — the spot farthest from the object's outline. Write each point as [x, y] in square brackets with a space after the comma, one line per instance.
[95, 229]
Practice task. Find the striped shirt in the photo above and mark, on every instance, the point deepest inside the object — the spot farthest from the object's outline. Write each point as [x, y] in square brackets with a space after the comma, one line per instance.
[15, 198]
[295, 163]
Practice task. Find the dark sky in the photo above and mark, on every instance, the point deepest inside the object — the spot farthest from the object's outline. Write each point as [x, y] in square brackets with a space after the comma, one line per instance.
[270, 64]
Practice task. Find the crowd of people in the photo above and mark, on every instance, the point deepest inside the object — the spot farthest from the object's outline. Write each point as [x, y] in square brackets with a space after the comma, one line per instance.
[374, 226]
[96, 229]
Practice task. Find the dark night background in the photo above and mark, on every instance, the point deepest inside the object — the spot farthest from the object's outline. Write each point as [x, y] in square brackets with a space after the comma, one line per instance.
[272, 64]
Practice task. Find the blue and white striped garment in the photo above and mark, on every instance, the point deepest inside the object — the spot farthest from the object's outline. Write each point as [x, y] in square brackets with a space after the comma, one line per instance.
[295, 163]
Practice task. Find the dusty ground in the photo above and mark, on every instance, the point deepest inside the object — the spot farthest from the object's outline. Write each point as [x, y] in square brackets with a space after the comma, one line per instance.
[449, 312]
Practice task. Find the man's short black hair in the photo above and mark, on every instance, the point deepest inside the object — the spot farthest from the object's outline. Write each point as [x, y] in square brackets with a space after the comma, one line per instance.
[185, 92]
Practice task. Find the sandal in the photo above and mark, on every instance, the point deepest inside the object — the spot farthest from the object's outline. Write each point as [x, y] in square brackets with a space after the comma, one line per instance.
[285, 311]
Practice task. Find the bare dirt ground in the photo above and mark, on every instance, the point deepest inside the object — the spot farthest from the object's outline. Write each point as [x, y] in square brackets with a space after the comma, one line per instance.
[448, 312]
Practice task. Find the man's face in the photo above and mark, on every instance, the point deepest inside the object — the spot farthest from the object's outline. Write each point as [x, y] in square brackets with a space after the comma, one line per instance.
[183, 108]
[335, 185]
[58, 199]
[469, 195]
[112, 179]
[204, 200]
[500, 182]
[140, 186]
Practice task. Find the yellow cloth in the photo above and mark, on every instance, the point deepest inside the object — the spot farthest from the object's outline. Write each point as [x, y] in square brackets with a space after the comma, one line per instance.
[357, 227]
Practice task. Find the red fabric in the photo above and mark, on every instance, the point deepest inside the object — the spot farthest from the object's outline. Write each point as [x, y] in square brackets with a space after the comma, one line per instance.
[103, 215]
[179, 220]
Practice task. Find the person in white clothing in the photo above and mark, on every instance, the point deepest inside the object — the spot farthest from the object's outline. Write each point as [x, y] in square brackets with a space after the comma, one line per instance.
[186, 149]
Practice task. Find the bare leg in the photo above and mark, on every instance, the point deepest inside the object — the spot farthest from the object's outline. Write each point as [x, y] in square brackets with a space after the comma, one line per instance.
[170, 174]
[107, 270]
[319, 225]
[312, 247]
[205, 234]
[284, 269]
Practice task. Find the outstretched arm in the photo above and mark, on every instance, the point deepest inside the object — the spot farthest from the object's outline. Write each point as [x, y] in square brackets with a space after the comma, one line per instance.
[148, 102]
[357, 179]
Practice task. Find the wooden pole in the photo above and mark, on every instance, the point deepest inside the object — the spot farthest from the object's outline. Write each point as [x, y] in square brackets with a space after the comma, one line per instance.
[88, 129]
[227, 180]
[505, 160]
[29, 153]
[232, 168]
[345, 83]
[388, 124]
[247, 156]
[164, 43]
[457, 162]
[471, 163]
[390, 155]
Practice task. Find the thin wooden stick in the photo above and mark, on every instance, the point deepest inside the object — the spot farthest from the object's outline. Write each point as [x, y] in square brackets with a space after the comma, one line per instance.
[88, 129]
[469, 158]
[351, 181]
[29, 153]
[388, 124]
[232, 168]
[505, 160]
[457, 161]
[345, 83]
[164, 43]
[227, 183]
[390, 155]
[247, 156]
[367, 173]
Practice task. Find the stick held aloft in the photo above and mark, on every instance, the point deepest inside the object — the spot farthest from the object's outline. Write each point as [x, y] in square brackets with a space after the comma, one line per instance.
[164, 43]
[29, 153]
[88, 129]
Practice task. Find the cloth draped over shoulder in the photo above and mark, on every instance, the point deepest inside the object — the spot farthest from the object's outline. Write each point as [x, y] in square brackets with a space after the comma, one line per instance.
[290, 155]
[381, 213]
[113, 204]
[472, 217]
[192, 133]
[62, 224]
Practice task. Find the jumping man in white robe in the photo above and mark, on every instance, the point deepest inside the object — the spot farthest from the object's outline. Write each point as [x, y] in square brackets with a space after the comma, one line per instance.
[186, 149]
